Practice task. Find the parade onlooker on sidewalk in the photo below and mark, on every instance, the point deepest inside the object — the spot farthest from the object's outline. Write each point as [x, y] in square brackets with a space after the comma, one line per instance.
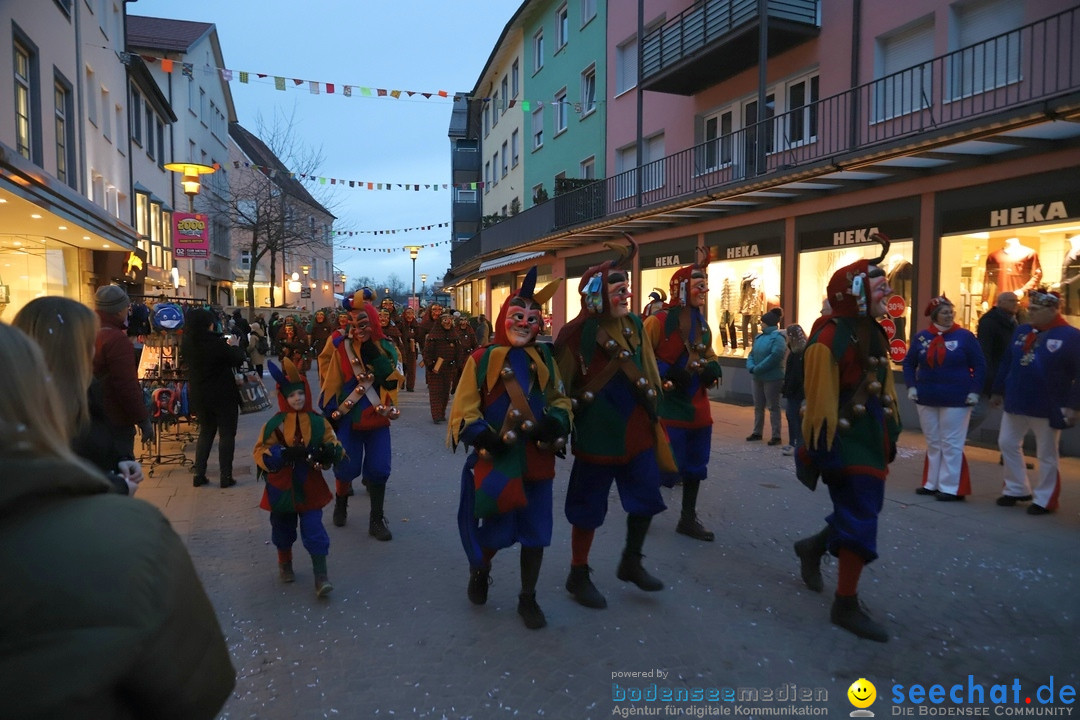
[291, 451]
[850, 429]
[792, 389]
[115, 368]
[682, 342]
[994, 331]
[359, 388]
[944, 372]
[241, 328]
[1040, 380]
[104, 615]
[484, 330]
[410, 329]
[442, 358]
[258, 344]
[511, 409]
[211, 368]
[766, 363]
[65, 329]
[608, 366]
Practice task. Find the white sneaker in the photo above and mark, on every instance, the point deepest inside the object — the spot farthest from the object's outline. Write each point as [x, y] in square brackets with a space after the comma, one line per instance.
[788, 450]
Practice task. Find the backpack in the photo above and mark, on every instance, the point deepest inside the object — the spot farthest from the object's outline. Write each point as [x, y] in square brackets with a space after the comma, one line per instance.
[262, 346]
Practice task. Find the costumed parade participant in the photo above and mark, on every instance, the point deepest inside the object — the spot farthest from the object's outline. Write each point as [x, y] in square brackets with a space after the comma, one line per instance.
[1040, 379]
[511, 409]
[468, 342]
[944, 372]
[850, 429]
[322, 325]
[293, 448]
[610, 371]
[359, 377]
[657, 300]
[410, 329]
[682, 341]
[442, 358]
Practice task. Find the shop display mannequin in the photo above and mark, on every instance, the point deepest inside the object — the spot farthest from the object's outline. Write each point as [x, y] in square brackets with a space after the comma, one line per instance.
[751, 304]
[1070, 278]
[1013, 268]
[726, 318]
[901, 276]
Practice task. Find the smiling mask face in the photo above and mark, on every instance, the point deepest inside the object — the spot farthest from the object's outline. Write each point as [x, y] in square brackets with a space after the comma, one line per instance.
[523, 321]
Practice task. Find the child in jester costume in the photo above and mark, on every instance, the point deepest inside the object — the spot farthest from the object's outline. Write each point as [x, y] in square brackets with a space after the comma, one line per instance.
[511, 409]
[610, 371]
[682, 341]
[293, 448]
[850, 428]
[359, 373]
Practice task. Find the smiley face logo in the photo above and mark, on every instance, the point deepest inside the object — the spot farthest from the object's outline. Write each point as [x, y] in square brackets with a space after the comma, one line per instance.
[862, 693]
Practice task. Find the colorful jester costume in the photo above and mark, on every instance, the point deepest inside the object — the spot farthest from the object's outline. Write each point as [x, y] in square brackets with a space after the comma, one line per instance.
[511, 409]
[610, 371]
[851, 428]
[682, 342]
[293, 447]
[359, 375]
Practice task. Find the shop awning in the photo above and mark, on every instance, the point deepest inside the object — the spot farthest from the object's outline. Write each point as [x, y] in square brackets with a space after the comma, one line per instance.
[509, 260]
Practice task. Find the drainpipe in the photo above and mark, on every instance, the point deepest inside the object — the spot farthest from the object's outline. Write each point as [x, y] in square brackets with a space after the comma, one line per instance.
[856, 47]
[763, 80]
[640, 149]
[81, 89]
[127, 104]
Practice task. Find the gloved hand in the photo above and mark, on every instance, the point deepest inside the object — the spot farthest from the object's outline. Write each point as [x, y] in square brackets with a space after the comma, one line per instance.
[326, 455]
[679, 377]
[972, 399]
[147, 429]
[295, 454]
[913, 394]
[489, 440]
[710, 374]
[548, 430]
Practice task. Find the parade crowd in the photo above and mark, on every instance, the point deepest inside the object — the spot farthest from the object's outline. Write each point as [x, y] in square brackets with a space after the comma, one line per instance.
[625, 394]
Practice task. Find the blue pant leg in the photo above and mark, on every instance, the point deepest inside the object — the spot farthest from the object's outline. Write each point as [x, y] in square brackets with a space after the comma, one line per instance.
[282, 529]
[587, 494]
[530, 525]
[352, 441]
[313, 533]
[696, 445]
[639, 485]
[857, 502]
[376, 468]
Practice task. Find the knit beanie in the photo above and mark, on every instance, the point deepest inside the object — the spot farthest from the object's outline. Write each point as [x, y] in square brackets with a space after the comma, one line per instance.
[772, 317]
[111, 299]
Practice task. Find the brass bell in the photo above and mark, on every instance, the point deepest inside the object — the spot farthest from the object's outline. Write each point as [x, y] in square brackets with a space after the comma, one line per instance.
[700, 347]
[394, 413]
[668, 386]
[651, 393]
[611, 344]
[844, 424]
[627, 331]
[381, 409]
[559, 444]
[532, 367]
[507, 372]
[694, 366]
[587, 396]
[884, 359]
[573, 404]
[370, 377]
[858, 409]
[528, 426]
[873, 387]
[642, 382]
[514, 414]
[872, 361]
[624, 354]
[887, 412]
[509, 437]
[887, 400]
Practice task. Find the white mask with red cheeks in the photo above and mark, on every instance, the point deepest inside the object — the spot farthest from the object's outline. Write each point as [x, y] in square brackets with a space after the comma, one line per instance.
[699, 290]
[619, 296]
[879, 296]
[522, 325]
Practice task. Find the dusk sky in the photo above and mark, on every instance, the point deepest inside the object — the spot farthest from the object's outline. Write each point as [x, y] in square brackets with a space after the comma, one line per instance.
[418, 45]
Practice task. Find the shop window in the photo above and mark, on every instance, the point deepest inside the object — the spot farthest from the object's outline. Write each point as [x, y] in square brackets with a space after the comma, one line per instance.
[142, 220]
[155, 235]
[740, 291]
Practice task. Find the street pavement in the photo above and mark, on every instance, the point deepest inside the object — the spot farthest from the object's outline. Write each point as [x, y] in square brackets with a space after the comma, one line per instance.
[970, 593]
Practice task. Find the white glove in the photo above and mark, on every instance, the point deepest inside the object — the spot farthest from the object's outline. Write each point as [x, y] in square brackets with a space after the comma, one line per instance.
[913, 394]
[972, 399]
[132, 473]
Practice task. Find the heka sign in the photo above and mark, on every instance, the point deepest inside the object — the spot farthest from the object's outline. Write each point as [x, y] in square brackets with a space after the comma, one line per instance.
[667, 261]
[859, 236]
[1028, 214]
[742, 251]
[191, 236]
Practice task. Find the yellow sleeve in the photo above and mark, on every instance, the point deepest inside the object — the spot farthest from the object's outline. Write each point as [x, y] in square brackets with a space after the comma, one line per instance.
[822, 382]
[466, 408]
[654, 331]
[262, 447]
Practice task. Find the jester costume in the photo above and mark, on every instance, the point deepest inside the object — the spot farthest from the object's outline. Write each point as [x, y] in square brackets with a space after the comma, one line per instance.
[851, 427]
[511, 409]
[359, 374]
[293, 447]
[682, 342]
[610, 371]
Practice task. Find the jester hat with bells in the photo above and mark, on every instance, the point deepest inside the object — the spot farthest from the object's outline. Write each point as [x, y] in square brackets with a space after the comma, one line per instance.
[594, 283]
[361, 301]
[527, 292]
[289, 380]
[680, 281]
[849, 287]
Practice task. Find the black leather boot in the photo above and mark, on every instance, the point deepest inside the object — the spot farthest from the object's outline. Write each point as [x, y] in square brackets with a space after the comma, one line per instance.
[377, 526]
[341, 510]
[227, 481]
[479, 580]
[848, 613]
[581, 587]
[285, 572]
[689, 524]
[530, 612]
[810, 551]
[630, 570]
[199, 480]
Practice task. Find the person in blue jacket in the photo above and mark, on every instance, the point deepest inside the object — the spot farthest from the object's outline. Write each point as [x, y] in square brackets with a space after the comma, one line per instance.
[944, 372]
[1040, 380]
[766, 363]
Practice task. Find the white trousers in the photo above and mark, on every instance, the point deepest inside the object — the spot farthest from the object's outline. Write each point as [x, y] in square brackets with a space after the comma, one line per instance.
[1011, 440]
[945, 429]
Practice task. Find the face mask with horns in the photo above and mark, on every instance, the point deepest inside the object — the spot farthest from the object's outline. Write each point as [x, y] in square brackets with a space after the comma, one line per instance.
[595, 293]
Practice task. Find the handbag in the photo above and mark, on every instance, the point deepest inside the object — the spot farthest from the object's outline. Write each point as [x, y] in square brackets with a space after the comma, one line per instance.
[253, 395]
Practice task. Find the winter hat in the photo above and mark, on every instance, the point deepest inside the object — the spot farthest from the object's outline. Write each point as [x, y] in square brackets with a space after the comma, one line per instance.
[849, 287]
[936, 305]
[111, 299]
[772, 318]
[796, 336]
[289, 380]
[1046, 298]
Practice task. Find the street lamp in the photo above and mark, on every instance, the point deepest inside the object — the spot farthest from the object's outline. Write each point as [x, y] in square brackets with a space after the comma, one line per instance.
[423, 282]
[190, 180]
[414, 250]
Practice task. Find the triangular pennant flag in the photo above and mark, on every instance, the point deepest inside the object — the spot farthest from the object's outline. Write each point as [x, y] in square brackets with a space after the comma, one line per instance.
[297, 81]
[279, 83]
[426, 95]
[261, 75]
[510, 104]
[410, 93]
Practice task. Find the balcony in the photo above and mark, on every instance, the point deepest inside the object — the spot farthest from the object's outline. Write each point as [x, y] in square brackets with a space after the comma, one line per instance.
[466, 161]
[1027, 76]
[714, 40]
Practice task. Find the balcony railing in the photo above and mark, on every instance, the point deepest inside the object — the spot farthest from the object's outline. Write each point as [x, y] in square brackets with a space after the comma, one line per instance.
[1034, 63]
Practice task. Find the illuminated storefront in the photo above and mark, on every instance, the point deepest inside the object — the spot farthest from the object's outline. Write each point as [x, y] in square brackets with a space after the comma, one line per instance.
[744, 282]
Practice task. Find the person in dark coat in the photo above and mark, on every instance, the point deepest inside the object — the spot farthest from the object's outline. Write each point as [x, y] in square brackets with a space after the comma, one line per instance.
[215, 397]
[322, 326]
[241, 328]
[410, 331]
[104, 615]
[442, 358]
[994, 332]
[115, 368]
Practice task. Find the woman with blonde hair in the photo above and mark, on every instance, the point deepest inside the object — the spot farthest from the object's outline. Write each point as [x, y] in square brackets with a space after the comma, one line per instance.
[65, 329]
[104, 615]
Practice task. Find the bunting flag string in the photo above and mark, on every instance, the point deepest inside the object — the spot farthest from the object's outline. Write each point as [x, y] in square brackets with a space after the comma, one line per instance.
[317, 87]
[357, 184]
[393, 250]
[351, 233]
